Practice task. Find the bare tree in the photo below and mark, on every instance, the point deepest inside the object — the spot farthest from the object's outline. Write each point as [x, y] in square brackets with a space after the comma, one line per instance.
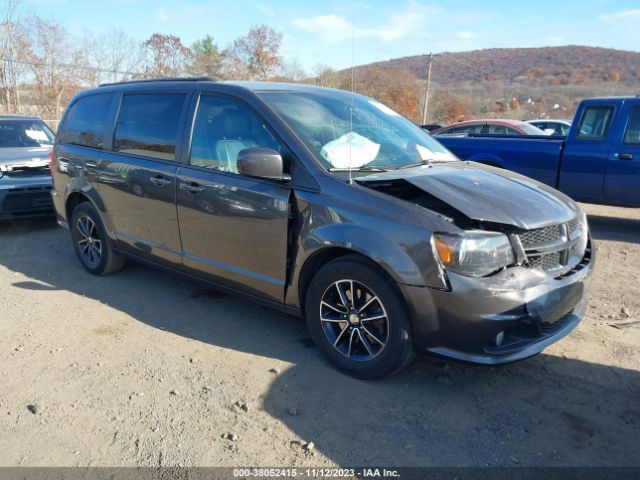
[115, 56]
[57, 65]
[291, 71]
[257, 53]
[13, 45]
[169, 57]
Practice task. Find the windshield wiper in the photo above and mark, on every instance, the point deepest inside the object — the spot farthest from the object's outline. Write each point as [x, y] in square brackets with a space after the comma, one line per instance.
[364, 168]
[424, 162]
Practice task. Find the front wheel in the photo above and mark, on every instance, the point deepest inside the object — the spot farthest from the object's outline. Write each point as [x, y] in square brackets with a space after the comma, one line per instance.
[358, 319]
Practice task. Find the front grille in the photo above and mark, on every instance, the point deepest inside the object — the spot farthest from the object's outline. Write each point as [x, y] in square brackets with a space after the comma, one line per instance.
[27, 200]
[546, 262]
[541, 236]
[550, 248]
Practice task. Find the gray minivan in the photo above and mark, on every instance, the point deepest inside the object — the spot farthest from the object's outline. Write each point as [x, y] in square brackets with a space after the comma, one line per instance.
[324, 204]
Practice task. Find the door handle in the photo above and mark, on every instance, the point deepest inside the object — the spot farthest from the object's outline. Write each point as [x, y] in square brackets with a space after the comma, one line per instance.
[625, 156]
[191, 187]
[160, 181]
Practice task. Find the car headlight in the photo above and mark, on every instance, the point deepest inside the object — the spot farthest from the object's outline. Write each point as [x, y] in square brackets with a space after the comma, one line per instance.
[475, 254]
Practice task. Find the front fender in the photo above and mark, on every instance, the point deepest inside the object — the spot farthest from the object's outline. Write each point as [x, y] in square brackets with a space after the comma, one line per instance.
[408, 263]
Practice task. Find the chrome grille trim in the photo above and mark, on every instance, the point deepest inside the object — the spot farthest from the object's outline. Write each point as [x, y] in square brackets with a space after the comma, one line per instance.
[548, 248]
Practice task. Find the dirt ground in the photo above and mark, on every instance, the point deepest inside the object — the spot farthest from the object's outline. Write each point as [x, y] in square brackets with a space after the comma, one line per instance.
[143, 368]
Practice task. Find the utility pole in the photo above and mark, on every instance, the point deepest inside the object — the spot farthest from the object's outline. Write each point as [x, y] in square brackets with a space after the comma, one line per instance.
[426, 92]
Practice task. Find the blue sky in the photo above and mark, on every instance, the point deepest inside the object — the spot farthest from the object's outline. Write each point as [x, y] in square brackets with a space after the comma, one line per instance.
[320, 31]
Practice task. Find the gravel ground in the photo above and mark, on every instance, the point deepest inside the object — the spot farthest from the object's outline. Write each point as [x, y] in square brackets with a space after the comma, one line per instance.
[144, 368]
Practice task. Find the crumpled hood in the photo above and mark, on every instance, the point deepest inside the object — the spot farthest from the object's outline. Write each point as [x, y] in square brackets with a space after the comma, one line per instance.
[489, 194]
[24, 156]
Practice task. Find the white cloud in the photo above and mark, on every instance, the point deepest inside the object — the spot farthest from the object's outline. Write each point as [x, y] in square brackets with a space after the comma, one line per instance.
[335, 28]
[162, 15]
[465, 35]
[264, 9]
[629, 14]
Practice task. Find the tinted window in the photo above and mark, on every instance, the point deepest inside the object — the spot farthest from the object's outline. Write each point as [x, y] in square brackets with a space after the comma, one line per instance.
[632, 135]
[148, 125]
[594, 123]
[222, 129]
[85, 121]
[24, 133]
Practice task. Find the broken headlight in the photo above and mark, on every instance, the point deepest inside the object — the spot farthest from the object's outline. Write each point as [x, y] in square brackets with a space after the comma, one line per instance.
[475, 254]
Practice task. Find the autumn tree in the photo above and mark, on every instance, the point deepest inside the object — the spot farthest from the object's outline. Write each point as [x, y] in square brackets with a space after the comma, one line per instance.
[447, 107]
[395, 88]
[206, 58]
[257, 54]
[168, 56]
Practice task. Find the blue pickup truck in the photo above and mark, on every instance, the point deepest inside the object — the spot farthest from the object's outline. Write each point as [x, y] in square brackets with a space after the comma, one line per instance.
[598, 162]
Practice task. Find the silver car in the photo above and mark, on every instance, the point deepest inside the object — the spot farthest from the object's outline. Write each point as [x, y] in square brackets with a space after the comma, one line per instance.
[25, 179]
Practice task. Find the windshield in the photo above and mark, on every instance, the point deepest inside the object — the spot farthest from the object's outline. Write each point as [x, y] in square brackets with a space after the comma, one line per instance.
[24, 134]
[380, 138]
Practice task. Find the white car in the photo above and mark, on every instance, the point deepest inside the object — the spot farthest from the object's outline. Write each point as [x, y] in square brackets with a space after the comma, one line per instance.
[552, 126]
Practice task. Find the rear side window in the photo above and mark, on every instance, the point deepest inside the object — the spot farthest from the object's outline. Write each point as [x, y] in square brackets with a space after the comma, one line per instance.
[148, 125]
[632, 135]
[85, 121]
[594, 123]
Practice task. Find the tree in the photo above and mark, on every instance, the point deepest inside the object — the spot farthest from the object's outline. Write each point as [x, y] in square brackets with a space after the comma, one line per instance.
[257, 54]
[206, 59]
[448, 107]
[393, 87]
[169, 57]
[13, 46]
[291, 71]
[56, 66]
[115, 56]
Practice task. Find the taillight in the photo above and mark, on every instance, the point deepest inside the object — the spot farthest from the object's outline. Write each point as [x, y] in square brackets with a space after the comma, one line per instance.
[52, 158]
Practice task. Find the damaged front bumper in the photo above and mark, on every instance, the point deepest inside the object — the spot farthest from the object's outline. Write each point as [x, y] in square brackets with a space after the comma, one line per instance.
[503, 318]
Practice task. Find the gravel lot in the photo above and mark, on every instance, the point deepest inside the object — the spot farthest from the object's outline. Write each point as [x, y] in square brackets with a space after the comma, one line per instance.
[145, 368]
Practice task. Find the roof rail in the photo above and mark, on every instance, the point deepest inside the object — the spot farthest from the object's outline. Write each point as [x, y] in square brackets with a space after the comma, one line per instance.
[166, 79]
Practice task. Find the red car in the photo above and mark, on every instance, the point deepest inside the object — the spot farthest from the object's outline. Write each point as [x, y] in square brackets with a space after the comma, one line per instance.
[490, 127]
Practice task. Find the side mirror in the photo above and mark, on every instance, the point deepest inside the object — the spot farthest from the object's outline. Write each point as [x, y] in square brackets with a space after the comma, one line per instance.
[260, 162]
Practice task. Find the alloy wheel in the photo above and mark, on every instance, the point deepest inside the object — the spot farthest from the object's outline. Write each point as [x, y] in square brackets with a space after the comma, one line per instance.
[354, 320]
[89, 242]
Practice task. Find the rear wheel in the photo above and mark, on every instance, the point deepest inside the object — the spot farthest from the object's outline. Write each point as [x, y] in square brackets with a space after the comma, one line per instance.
[358, 319]
[91, 243]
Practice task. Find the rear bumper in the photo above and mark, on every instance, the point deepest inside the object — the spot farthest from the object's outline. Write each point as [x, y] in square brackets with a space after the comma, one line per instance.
[500, 319]
[25, 197]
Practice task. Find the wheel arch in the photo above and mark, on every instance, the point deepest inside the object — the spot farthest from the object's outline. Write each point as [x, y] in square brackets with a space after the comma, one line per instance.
[322, 257]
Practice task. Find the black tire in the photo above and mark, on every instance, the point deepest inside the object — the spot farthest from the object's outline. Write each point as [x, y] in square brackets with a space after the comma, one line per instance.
[91, 243]
[362, 357]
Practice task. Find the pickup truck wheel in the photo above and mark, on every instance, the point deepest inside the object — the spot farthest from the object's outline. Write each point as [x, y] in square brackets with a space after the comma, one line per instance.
[358, 319]
[91, 243]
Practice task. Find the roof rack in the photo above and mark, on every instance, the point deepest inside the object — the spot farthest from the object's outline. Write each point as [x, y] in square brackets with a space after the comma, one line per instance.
[165, 79]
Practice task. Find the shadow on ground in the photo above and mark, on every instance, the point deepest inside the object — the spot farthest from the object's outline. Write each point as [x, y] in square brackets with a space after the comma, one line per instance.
[545, 411]
[613, 228]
